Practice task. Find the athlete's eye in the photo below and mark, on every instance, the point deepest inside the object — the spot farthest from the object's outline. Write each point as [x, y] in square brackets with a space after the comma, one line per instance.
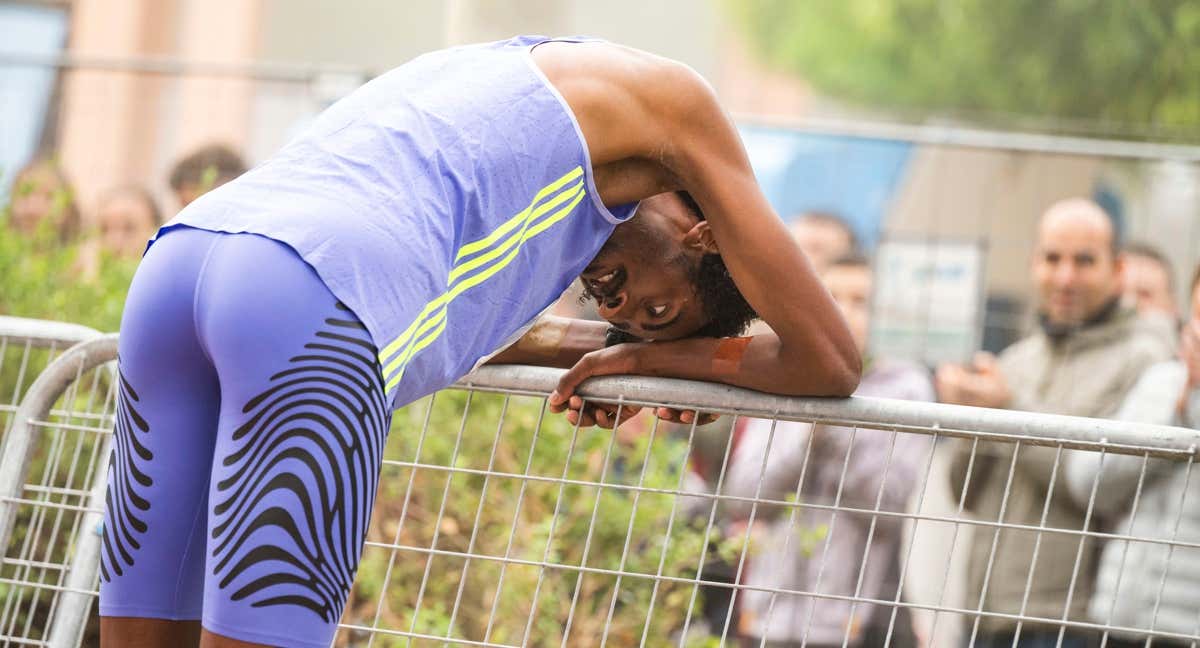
[657, 311]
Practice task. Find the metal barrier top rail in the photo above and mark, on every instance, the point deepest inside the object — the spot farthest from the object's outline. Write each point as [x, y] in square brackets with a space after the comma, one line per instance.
[1120, 437]
[976, 138]
[880, 413]
[43, 333]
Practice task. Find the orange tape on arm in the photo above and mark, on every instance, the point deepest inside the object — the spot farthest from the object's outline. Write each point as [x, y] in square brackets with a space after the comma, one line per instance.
[727, 358]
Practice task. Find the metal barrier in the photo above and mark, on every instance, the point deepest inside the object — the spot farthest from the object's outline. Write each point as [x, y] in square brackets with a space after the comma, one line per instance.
[59, 437]
[498, 524]
[26, 346]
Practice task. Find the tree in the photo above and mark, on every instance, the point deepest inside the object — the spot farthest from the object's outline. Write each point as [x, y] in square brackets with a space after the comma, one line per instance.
[1133, 64]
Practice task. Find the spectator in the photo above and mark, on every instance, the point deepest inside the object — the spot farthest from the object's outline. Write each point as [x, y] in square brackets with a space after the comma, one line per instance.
[204, 170]
[811, 549]
[1149, 280]
[42, 197]
[127, 217]
[1134, 575]
[824, 237]
[1084, 357]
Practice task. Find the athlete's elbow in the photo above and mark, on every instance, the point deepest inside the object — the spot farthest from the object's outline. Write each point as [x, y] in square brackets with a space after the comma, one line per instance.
[840, 370]
[829, 373]
[844, 374]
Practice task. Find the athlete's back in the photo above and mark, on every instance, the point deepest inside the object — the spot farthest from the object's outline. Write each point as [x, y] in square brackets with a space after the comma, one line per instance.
[447, 202]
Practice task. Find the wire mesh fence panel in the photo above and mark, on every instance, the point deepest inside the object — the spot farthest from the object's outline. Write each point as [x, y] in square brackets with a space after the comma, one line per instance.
[26, 347]
[53, 463]
[501, 524]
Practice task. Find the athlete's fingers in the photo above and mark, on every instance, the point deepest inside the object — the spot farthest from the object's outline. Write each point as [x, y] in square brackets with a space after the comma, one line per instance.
[684, 416]
[668, 414]
[556, 406]
[628, 412]
[581, 418]
[617, 359]
[571, 379]
[603, 415]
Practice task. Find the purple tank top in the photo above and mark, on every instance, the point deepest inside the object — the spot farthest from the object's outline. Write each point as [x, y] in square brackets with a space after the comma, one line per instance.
[447, 202]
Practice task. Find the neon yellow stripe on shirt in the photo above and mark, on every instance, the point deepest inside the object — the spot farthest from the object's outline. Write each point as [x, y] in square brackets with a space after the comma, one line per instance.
[517, 236]
[507, 226]
[438, 322]
[476, 246]
[422, 324]
[444, 300]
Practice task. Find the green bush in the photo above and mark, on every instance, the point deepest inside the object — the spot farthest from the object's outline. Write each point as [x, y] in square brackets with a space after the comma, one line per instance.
[41, 279]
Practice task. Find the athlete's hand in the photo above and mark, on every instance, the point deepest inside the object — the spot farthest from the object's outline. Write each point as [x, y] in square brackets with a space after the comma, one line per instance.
[604, 415]
[613, 360]
[617, 359]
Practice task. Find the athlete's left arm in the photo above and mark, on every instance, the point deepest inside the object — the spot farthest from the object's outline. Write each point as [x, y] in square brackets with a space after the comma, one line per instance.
[810, 350]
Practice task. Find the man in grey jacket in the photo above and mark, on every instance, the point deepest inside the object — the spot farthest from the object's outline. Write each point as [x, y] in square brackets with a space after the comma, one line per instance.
[1145, 585]
[1086, 354]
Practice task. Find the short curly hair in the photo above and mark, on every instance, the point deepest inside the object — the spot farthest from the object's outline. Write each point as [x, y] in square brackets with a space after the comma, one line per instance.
[728, 311]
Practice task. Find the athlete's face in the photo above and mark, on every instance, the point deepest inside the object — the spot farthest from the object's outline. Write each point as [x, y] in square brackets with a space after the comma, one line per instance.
[643, 279]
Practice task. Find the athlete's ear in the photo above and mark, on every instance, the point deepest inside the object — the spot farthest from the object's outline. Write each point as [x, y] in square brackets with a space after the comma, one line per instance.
[700, 238]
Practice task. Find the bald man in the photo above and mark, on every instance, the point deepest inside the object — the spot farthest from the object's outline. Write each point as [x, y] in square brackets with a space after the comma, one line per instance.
[1085, 355]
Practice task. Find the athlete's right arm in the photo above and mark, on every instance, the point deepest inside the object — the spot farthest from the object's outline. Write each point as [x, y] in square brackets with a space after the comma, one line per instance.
[554, 341]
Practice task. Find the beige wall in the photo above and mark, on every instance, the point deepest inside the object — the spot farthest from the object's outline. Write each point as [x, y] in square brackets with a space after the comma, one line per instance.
[108, 119]
[215, 108]
[118, 127]
[373, 34]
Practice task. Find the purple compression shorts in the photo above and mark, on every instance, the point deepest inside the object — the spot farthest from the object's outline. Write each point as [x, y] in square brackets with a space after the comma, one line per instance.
[250, 428]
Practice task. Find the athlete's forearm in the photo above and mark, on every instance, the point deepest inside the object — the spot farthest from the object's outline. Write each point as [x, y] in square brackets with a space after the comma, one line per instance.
[750, 362]
[554, 341]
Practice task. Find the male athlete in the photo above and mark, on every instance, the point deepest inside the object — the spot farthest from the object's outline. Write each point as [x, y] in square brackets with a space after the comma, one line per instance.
[415, 229]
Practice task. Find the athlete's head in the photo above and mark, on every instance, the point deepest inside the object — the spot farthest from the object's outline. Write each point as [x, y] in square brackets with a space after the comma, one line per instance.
[660, 276]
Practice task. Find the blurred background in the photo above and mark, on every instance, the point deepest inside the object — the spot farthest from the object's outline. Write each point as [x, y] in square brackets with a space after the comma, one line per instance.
[938, 131]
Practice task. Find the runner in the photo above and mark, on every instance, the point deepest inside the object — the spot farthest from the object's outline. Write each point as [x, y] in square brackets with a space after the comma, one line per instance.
[418, 226]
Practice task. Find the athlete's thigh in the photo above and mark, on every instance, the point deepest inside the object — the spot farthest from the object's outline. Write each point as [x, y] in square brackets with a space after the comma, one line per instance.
[299, 447]
[166, 421]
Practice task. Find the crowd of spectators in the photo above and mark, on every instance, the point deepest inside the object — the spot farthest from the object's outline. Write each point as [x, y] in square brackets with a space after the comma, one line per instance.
[1107, 342]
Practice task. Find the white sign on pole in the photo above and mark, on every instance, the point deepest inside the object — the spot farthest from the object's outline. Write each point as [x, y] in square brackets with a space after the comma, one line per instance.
[928, 302]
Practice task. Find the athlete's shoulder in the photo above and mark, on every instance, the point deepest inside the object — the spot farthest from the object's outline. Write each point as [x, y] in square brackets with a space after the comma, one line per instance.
[629, 101]
[603, 63]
